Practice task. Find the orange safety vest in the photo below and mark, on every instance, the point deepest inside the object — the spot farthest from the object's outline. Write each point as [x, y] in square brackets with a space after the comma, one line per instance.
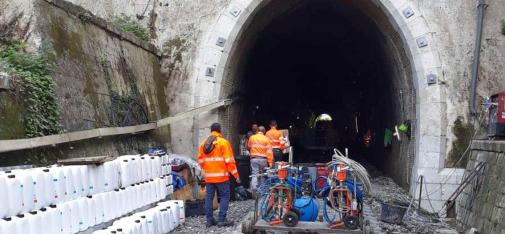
[219, 162]
[260, 146]
[276, 138]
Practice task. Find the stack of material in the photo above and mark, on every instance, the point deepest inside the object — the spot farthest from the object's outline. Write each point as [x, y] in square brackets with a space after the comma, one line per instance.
[163, 218]
[75, 197]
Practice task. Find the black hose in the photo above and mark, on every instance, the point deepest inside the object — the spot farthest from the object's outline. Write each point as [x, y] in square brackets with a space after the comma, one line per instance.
[476, 56]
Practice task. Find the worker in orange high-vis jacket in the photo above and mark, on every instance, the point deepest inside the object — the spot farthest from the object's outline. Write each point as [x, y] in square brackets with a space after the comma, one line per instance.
[215, 157]
[277, 141]
[261, 156]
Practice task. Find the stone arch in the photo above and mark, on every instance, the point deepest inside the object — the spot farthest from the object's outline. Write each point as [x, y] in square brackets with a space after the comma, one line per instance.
[214, 64]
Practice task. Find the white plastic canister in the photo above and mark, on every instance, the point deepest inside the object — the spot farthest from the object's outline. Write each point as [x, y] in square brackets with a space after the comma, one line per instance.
[70, 186]
[66, 217]
[21, 224]
[125, 174]
[98, 179]
[180, 205]
[75, 214]
[85, 180]
[76, 181]
[83, 215]
[59, 187]
[173, 210]
[91, 209]
[157, 168]
[48, 187]
[53, 221]
[4, 200]
[34, 221]
[7, 226]
[108, 176]
[100, 208]
[170, 189]
[27, 190]
[38, 188]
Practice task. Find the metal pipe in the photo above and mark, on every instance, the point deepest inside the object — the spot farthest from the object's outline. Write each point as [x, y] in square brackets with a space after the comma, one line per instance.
[420, 191]
[476, 56]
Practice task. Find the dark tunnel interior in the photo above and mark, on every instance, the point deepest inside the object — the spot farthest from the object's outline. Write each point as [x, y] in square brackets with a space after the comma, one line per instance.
[322, 57]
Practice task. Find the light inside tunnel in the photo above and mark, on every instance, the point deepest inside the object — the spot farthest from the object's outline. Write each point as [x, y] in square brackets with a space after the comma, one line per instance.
[325, 57]
[324, 117]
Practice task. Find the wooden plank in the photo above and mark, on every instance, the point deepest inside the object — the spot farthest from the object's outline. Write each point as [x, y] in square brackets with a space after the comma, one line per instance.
[193, 112]
[85, 160]
[302, 226]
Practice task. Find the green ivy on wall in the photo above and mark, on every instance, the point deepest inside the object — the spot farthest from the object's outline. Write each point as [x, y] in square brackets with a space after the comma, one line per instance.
[128, 25]
[41, 115]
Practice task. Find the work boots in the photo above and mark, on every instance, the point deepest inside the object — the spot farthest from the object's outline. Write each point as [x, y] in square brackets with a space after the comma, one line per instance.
[225, 223]
[210, 223]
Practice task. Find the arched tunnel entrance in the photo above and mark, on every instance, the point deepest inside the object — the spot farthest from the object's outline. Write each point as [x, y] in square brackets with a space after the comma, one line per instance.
[340, 58]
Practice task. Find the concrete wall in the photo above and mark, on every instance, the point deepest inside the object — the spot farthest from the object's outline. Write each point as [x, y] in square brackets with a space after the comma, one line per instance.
[482, 203]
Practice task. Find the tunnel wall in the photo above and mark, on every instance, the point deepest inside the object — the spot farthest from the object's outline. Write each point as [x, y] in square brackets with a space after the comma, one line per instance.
[481, 205]
[100, 74]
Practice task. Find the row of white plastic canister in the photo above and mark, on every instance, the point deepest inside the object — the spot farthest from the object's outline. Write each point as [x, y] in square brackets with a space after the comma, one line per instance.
[163, 218]
[80, 214]
[135, 168]
[32, 189]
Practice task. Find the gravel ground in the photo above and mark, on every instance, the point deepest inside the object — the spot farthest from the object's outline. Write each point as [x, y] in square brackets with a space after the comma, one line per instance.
[237, 211]
[385, 189]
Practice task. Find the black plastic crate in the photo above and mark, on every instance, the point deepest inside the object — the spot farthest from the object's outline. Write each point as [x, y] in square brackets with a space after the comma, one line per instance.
[194, 208]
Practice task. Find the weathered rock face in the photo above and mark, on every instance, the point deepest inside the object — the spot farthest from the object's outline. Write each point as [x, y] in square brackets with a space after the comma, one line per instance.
[104, 78]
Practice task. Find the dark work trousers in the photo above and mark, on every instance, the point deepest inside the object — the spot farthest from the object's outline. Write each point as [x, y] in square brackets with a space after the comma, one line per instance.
[223, 189]
[277, 155]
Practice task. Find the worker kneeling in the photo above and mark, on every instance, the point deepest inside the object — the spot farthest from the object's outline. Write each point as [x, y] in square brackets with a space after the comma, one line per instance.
[215, 157]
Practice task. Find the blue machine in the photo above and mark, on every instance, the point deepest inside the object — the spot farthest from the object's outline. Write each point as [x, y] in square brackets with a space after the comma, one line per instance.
[307, 207]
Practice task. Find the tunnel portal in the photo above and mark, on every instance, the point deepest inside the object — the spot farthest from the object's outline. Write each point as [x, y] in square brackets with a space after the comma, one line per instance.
[340, 58]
